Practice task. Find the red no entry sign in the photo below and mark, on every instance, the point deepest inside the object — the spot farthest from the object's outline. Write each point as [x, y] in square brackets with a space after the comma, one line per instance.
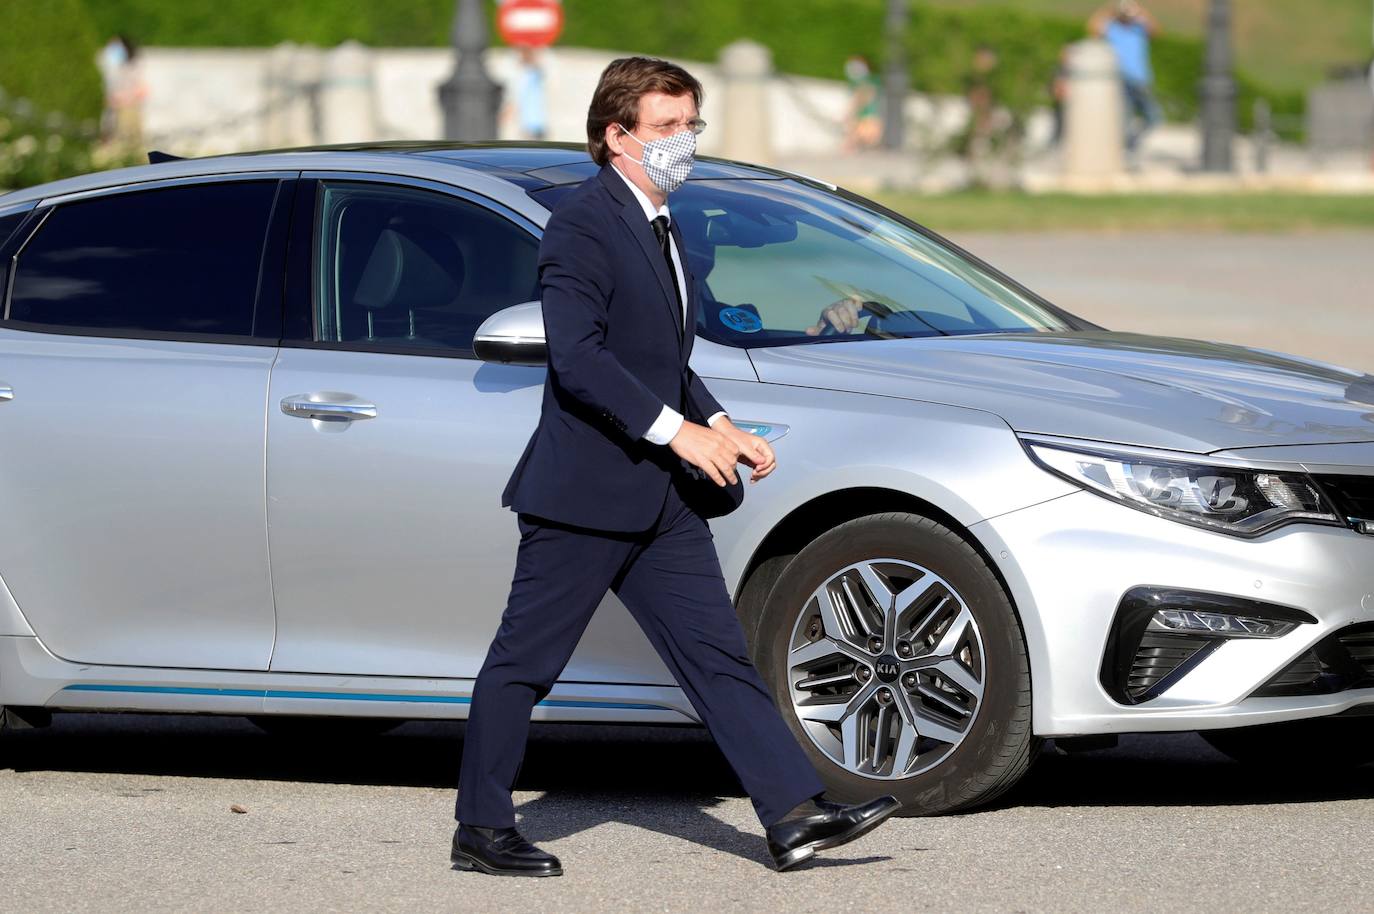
[536, 23]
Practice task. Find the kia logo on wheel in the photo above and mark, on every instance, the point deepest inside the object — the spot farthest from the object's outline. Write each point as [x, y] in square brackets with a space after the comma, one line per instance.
[887, 668]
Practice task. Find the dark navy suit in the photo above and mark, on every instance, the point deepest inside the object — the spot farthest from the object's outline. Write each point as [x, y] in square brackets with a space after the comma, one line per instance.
[617, 354]
[600, 508]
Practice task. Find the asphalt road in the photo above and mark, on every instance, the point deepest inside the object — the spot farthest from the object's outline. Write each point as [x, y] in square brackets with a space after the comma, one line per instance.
[133, 813]
[1307, 294]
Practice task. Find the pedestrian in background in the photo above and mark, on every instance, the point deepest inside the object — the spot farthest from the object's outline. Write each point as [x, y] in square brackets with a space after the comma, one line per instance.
[1128, 27]
[1059, 94]
[982, 108]
[862, 125]
[1371, 89]
[530, 96]
[121, 70]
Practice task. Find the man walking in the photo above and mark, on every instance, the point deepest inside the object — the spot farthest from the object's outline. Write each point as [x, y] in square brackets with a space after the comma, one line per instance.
[604, 499]
[1128, 27]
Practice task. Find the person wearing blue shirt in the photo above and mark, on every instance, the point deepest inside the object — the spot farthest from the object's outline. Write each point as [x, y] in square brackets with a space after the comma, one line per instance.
[1128, 27]
[531, 110]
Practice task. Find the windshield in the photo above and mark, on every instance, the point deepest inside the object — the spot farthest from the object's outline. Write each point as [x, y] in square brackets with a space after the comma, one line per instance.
[769, 257]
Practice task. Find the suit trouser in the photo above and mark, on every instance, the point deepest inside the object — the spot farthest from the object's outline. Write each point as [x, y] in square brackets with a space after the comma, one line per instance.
[670, 580]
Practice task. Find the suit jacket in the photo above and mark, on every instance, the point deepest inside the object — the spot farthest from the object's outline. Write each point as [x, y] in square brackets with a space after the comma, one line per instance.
[617, 354]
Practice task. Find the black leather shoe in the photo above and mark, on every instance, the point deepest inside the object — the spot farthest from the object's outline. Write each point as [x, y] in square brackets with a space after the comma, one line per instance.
[500, 852]
[820, 824]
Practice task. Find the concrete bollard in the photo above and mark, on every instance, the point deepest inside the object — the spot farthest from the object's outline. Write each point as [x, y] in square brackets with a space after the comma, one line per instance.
[307, 71]
[292, 75]
[1093, 113]
[745, 67]
[347, 110]
[276, 77]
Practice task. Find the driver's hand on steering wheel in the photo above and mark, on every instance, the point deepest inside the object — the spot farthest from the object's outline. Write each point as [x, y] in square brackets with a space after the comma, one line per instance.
[842, 316]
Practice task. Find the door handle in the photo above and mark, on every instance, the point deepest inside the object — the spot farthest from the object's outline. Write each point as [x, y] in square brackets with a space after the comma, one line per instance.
[6, 392]
[337, 408]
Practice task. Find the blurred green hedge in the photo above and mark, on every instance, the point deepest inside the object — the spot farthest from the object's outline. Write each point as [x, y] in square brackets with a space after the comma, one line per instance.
[52, 93]
[47, 55]
[262, 23]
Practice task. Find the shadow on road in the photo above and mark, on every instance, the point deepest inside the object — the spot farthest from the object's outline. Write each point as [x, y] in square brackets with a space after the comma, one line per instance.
[661, 778]
[1177, 769]
[561, 813]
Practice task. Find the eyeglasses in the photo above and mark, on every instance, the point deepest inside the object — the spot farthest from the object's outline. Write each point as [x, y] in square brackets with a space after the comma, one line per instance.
[696, 125]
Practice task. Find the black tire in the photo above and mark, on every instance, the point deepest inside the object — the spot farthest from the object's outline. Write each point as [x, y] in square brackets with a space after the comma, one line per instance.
[294, 726]
[999, 746]
[753, 596]
[1320, 744]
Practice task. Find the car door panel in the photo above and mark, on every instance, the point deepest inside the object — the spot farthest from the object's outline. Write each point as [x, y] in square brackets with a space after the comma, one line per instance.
[132, 487]
[132, 453]
[391, 552]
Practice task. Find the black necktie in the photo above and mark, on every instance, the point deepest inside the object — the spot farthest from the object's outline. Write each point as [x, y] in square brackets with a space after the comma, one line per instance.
[660, 224]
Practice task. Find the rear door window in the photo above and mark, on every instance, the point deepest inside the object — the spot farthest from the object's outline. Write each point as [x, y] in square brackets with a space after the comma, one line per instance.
[177, 262]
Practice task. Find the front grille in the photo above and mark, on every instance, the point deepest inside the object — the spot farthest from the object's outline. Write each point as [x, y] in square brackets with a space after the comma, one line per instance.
[1159, 654]
[1361, 648]
[1352, 495]
[1340, 661]
[1301, 674]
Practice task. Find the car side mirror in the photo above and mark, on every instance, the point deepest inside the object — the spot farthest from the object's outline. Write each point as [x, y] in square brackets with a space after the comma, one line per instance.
[513, 336]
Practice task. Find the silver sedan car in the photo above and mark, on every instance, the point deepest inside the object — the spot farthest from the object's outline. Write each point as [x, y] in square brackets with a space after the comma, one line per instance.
[256, 412]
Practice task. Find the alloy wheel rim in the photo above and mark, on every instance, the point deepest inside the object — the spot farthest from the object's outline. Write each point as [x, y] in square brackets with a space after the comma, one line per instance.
[885, 668]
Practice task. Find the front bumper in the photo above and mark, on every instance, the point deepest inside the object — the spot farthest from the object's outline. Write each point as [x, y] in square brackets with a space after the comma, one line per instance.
[1069, 561]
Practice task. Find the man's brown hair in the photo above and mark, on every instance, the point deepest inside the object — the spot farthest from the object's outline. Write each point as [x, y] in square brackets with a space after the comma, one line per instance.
[623, 83]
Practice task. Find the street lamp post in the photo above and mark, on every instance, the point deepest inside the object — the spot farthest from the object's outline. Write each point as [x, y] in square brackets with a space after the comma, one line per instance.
[470, 97]
[1218, 91]
[894, 74]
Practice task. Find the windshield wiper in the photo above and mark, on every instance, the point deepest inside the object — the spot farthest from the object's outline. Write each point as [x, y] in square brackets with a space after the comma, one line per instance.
[883, 312]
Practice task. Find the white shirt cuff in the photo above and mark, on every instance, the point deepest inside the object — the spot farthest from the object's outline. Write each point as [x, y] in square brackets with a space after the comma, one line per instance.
[714, 417]
[665, 427]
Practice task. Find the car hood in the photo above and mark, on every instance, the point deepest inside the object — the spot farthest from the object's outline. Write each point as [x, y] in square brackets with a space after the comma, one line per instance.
[1128, 388]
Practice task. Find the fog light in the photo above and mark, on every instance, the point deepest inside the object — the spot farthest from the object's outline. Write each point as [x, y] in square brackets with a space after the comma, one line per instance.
[1223, 624]
[1159, 634]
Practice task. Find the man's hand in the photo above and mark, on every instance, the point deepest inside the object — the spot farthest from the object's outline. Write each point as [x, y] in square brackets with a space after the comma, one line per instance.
[753, 450]
[708, 450]
[843, 315]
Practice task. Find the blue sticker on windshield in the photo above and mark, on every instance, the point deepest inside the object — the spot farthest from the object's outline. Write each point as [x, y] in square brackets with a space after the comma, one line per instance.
[740, 320]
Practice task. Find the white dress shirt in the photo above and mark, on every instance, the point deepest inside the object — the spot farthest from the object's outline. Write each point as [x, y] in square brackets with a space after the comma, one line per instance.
[669, 421]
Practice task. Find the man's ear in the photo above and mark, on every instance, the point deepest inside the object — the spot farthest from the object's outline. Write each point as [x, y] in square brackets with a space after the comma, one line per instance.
[613, 140]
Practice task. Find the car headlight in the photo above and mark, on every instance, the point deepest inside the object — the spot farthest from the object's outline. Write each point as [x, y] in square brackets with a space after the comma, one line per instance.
[1228, 499]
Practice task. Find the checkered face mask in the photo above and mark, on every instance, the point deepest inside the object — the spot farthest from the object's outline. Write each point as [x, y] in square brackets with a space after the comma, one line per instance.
[668, 161]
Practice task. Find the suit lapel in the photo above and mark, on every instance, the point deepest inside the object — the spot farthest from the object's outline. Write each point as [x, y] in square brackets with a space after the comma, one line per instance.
[692, 303]
[633, 216]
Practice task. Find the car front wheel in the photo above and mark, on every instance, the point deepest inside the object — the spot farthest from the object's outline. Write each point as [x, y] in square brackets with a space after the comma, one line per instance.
[896, 658]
